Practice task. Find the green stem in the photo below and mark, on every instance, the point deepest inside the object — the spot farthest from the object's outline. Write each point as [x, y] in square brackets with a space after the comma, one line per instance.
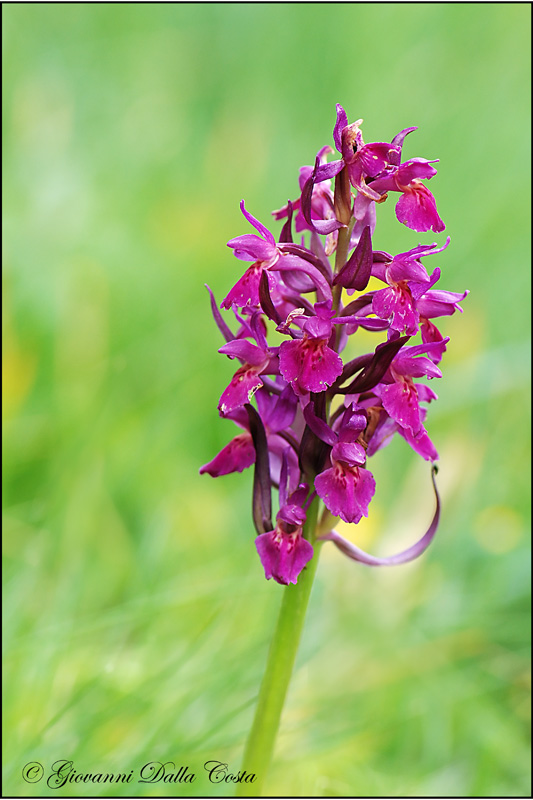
[283, 649]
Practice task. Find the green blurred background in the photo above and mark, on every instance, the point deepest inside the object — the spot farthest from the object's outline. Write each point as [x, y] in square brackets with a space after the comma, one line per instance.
[137, 619]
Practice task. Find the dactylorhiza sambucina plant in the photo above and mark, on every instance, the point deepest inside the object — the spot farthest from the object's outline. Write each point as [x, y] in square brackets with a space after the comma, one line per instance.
[318, 418]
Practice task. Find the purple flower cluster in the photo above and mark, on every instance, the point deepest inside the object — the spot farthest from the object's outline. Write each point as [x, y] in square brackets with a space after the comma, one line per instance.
[318, 418]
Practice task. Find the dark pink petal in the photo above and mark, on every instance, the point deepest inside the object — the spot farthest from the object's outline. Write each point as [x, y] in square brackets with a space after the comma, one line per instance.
[309, 365]
[397, 305]
[258, 326]
[350, 454]
[425, 393]
[283, 556]
[241, 389]
[250, 247]
[421, 443]
[418, 289]
[353, 422]
[239, 454]
[400, 400]
[322, 155]
[257, 225]
[422, 250]
[318, 426]
[246, 290]
[430, 333]
[301, 497]
[292, 263]
[387, 427]
[415, 169]
[418, 367]
[417, 209]
[397, 143]
[375, 157]
[325, 226]
[368, 323]
[418, 349]
[364, 211]
[357, 179]
[317, 328]
[387, 183]
[439, 304]
[447, 297]
[346, 491]
[320, 261]
[326, 172]
[240, 348]
[340, 124]
[282, 411]
[404, 269]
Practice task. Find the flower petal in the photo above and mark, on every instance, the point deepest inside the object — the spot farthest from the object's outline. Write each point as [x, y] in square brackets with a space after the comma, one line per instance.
[400, 400]
[248, 352]
[346, 491]
[284, 556]
[257, 225]
[237, 455]
[417, 209]
[340, 124]
[396, 303]
[241, 388]
[253, 246]
[309, 364]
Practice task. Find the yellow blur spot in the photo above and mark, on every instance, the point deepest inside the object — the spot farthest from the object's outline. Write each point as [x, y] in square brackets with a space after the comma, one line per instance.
[364, 533]
[18, 370]
[498, 529]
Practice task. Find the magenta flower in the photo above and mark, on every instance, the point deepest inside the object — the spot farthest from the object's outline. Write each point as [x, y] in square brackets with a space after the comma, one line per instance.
[278, 413]
[346, 488]
[416, 207]
[284, 552]
[361, 160]
[309, 364]
[268, 257]
[401, 396]
[387, 427]
[408, 283]
[310, 419]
